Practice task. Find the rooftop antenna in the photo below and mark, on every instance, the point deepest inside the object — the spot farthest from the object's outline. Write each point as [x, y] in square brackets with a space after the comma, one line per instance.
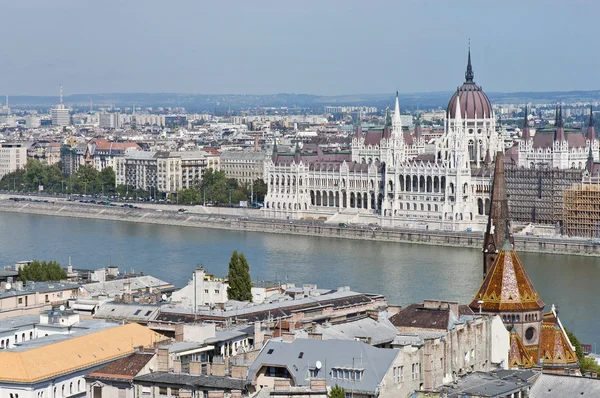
[61, 93]
[91, 105]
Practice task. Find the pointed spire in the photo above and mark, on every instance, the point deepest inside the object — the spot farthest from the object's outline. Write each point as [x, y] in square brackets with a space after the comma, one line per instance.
[358, 130]
[498, 228]
[275, 151]
[418, 130]
[387, 131]
[559, 134]
[590, 161]
[297, 154]
[526, 134]
[591, 132]
[397, 121]
[457, 113]
[469, 73]
[488, 158]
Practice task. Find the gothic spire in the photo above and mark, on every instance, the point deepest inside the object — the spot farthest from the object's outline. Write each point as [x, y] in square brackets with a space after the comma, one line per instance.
[498, 220]
[526, 135]
[358, 130]
[559, 134]
[397, 121]
[591, 132]
[469, 73]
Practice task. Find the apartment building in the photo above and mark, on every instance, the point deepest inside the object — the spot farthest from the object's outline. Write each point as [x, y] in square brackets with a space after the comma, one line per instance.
[160, 170]
[245, 167]
[13, 156]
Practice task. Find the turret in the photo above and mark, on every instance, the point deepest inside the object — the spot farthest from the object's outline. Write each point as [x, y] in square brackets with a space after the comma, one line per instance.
[526, 134]
[297, 154]
[590, 161]
[358, 130]
[559, 133]
[275, 151]
[591, 133]
[387, 130]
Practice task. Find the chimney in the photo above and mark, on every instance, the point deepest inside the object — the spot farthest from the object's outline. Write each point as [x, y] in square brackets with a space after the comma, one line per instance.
[195, 368]
[431, 304]
[163, 360]
[239, 371]
[216, 394]
[318, 384]
[236, 394]
[177, 366]
[258, 336]
[288, 336]
[315, 336]
[218, 369]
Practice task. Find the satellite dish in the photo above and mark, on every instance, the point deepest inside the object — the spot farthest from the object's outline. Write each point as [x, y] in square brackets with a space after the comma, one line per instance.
[8, 286]
[62, 308]
[318, 365]
[164, 297]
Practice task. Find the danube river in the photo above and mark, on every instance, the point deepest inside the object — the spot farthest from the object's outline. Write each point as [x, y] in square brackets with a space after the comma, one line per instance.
[404, 273]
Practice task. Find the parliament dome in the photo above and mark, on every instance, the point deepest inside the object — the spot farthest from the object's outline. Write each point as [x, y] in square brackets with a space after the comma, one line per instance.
[473, 101]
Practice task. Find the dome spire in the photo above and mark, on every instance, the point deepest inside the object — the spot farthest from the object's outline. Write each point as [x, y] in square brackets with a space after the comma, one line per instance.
[469, 73]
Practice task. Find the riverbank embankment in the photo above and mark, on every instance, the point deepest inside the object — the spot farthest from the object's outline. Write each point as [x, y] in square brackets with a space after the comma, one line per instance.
[202, 219]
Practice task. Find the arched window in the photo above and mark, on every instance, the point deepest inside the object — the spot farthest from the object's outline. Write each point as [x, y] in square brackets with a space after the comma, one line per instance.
[71, 388]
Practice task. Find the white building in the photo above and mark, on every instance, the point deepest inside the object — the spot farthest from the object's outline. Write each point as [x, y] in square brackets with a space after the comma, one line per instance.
[110, 120]
[391, 174]
[201, 291]
[160, 170]
[244, 167]
[557, 148]
[13, 156]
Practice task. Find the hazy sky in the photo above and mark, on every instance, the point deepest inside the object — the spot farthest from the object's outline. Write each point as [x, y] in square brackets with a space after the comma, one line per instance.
[317, 47]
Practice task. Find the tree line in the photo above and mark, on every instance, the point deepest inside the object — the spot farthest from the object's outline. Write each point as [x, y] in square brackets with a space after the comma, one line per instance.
[215, 188]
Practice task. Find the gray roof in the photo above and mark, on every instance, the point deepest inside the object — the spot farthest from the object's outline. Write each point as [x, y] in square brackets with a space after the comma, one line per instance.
[361, 328]
[40, 287]
[301, 355]
[131, 312]
[197, 381]
[245, 156]
[117, 286]
[9, 324]
[480, 384]
[82, 328]
[549, 385]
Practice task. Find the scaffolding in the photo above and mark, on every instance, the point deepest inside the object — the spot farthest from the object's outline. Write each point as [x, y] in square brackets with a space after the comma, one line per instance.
[582, 211]
[536, 195]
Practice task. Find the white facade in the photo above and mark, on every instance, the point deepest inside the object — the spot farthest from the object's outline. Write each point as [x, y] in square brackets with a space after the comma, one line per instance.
[13, 156]
[60, 116]
[391, 175]
[201, 291]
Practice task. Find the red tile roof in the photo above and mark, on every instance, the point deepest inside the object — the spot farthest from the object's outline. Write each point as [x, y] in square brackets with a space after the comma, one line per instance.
[125, 368]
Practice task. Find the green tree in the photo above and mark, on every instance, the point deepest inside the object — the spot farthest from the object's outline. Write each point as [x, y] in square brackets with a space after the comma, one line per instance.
[42, 271]
[240, 284]
[106, 179]
[189, 196]
[586, 364]
[337, 392]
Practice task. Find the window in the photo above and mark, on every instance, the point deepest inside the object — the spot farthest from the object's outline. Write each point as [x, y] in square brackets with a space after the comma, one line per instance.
[415, 371]
[216, 291]
[148, 313]
[162, 390]
[137, 312]
[20, 302]
[301, 355]
[270, 351]
[205, 291]
[401, 374]
[175, 392]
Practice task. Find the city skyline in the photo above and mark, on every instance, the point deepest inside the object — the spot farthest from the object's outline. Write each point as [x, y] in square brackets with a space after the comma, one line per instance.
[313, 48]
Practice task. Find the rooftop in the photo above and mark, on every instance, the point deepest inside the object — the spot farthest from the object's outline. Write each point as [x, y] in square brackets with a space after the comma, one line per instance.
[125, 368]
[182, 379]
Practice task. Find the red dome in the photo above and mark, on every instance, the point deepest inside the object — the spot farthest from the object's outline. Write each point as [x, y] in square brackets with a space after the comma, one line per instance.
[473, 103]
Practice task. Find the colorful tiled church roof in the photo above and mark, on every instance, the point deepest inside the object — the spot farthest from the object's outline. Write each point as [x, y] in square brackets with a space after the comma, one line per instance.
[555, 347]
[507, 286]
[518, 357]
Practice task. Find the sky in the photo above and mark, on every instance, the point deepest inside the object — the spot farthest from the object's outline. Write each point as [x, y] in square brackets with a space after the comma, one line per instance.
[324, 47]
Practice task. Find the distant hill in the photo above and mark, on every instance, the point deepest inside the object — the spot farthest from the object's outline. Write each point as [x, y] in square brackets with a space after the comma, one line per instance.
[225, 102]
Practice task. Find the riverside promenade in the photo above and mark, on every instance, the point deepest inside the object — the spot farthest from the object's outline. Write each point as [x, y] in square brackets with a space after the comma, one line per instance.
[249, 220]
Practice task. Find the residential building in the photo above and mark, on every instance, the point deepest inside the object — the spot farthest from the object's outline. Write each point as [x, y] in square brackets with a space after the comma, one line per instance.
[202, 291]
[213, 157]
[170, 384]
[193, 167]
[110, 120]
[44, 151]
[33, 297]
[101, 153]
[13, 156]
[450, 340]
[361, 369]
[54, 365]
[115, 380]
[244, 167]
[124, 285]
[392, 174]
[551, 385]
[60, 114]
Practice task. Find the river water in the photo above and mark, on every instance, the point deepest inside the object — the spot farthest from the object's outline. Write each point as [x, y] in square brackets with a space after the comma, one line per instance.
[404, 273]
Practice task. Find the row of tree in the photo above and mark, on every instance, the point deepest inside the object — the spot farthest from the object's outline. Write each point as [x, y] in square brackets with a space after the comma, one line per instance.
[37, 175]
[42, 271]
[214, 188]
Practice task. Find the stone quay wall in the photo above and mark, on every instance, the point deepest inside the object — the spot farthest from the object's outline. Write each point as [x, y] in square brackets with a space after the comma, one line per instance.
[200, 218]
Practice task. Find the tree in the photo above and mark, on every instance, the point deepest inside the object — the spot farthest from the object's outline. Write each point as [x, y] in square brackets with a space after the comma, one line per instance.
[42, 271]
[586, 364]
[240, 284]
[337, 392]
